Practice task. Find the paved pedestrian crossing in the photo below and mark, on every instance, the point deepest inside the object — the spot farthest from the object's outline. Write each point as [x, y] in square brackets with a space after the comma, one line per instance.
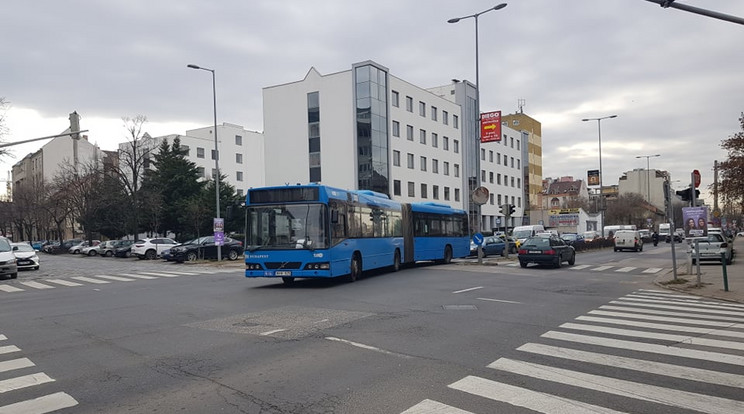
[607, 268]
[81, 281]
[657, 350]
[20, 373]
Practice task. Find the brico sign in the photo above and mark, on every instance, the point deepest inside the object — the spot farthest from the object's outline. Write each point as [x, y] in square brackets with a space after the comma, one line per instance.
[491, 126]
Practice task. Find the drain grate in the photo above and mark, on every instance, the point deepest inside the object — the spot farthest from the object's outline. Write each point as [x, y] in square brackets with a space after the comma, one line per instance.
[460, 307]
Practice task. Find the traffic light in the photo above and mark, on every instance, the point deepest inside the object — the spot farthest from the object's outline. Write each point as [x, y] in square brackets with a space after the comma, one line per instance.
[504, 208]
[511, 209]
[685, 194]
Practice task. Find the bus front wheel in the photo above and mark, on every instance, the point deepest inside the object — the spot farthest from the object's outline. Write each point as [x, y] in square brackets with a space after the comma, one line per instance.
[288, 280]
[355, 270]
[447, 255]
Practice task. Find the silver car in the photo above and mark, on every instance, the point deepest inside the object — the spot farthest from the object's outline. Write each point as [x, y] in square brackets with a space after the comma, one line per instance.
[8, 265]
[711, 247]
[26, 256]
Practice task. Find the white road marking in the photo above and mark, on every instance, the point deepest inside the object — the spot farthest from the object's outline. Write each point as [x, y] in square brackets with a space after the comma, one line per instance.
[115, 278]
[8, 349]
[367, 347]
[664, 327]
[678, 300]
[36, 285]
[15, 364]
[24, 381]
[3, 337]
[666, 319]
[522, 397]
[434, 407]
[646, 347]
[41, 405]
[626, 269]
[10, 289]
[64, 282]
[137, 276]
[158, 274]
[687, 308]
[653, 270]
[645, 392]
[499, 300]
[180, 273]
[271, 332]
[684, 339]
[666, 293]
[579, 267]
[468, 289]
[89, 280]
[642, 365]
[633, 308]
[601, 268]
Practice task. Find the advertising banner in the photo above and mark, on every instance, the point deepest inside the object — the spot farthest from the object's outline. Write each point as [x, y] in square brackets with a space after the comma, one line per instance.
[491, 126]
[696, 221]
[592, 177]
[219, 231]
[563, 220]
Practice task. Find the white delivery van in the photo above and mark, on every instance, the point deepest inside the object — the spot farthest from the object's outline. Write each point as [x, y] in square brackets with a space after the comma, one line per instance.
[628, 239]
[521, 233]
[665, 230]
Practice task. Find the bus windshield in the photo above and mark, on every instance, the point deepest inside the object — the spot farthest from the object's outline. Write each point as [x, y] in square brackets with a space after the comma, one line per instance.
[292, 226]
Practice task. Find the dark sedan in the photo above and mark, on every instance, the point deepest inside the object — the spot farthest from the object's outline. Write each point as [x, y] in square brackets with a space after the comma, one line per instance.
[546, 249]
[204, 248]
[492, 245]
[123, 248]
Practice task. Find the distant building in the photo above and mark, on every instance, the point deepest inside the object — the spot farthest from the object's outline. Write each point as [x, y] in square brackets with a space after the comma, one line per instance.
[532, 153]
[564, 192]
[649, 184]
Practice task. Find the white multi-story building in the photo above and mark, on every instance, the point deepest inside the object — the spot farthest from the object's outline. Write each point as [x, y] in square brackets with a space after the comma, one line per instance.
[364, 128]
[241, 153]
[649, 184]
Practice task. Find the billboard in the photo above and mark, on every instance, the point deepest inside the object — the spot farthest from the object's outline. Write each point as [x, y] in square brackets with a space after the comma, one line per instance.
[491, 126]
[563, 220]
[695, 220]
[592, 177]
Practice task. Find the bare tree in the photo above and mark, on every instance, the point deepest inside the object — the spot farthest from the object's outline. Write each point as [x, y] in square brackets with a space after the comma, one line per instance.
[133, 159]
[3, 128]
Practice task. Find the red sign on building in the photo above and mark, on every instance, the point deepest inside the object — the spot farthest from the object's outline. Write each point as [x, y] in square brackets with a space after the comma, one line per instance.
[491, 126]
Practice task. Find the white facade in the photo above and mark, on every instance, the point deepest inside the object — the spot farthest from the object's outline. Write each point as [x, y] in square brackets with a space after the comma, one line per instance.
[649, 184]
[502, 169]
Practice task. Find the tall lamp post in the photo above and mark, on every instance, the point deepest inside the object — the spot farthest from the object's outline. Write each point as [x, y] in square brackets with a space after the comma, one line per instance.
[216, 153]
[601, 188]
[476, 154]
[648, 173]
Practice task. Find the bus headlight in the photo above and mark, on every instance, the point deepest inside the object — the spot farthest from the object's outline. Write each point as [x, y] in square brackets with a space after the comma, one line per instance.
[253, 266]
[318, 266]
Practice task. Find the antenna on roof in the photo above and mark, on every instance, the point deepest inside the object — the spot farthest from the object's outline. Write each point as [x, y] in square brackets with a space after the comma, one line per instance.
[520, 104]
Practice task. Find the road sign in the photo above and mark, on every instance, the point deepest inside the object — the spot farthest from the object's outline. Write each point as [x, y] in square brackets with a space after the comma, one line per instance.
[498, 220]
[696, 175]
[478, 239]
[490, 126]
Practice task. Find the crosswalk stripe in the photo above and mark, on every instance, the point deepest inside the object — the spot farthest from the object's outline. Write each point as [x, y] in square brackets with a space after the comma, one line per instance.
[678, 300]
[137, 276]
[632, 307]
[601, 268]
[36, 285]
[665, 293]
[90, 280]
[158, 274]
[433, 407]
[7, 349]
[664, 327]
[686, 308]
[13, 364]
[666, 319]
[24, 381]
[10, 289]
[683, 339]
[626, 269]
[653, 270]
[41, 405]
[642, 365]
[667, 396]
[646, 347]
[115, 278]
[3, 337]
[522, 397]
[180, 273]
[63, 282]
[580, 267]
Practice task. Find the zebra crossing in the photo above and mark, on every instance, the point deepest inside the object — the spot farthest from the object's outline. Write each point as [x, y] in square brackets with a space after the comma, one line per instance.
[607, 268]
[79, 281]
[662, 350]
[18, 372]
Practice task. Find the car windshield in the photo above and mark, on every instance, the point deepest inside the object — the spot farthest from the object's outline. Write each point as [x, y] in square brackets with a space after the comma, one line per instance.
[538, 242]
[4, 245]
[569, 237]
[522, 234]
[23, 247]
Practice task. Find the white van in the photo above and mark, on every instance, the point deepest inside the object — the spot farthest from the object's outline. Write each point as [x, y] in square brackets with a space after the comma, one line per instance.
[521, 233]
[628, 239]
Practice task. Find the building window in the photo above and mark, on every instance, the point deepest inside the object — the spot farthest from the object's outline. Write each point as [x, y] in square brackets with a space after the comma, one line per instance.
[396, 129]
[512, 181]
[238, 140]
[445, 120]
[519, 202]
[200, 171]
[457, 194]
[498, 179]
[434, 114]
[410, 160]
[499, 199]
[199, 152]
[456, 144]
[424, 193]
[238, 158]
[512, 162]
[483, 154]
[435, 166]
[435, 192]
[446, 193]
[409, 132]
[445, 143]
[411, 189]
[239, 176]
[457, 170]
[490, 177]
[517, 144]
[446, 168]
[396, 158]
[422, 136]
[423, 163]
[512, 142]
[396, 187]
[483, 176]
[491, 200]
[455, 121]
[506, 160]
[395, 98]
[422, 109]
[519, 183]
[434, 140]
[409, 104]
[498, 158]
[490, 156]
[519, 163]
[313, 132]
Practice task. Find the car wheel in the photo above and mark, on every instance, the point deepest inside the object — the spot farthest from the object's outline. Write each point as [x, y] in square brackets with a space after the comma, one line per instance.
[109, 253]
[523, 264]
[572, 260]
[513, 250]
[14, 275]
[192, 256]
[396, 260]
[355, 270]
[232, 255]
[92, 253]
[36, 268]
[150, 254]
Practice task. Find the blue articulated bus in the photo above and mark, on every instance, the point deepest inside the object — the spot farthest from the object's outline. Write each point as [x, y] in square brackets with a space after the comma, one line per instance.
[316, 231]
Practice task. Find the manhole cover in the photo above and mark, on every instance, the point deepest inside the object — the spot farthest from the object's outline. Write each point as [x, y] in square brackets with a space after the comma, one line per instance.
[459, 307]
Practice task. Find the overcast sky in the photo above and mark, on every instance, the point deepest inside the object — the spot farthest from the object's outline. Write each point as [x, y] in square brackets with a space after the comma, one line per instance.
[674, 79]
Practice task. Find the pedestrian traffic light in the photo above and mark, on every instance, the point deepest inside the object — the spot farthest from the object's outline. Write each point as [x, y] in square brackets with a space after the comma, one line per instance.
[504, 209]
[511, 209]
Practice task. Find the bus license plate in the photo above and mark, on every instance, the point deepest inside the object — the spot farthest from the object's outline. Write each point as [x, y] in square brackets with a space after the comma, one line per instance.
[283, 273]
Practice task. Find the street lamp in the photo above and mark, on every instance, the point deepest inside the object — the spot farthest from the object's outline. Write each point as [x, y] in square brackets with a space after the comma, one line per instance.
[601, 189]
[216, 154]
[648, 173]
[476, 155]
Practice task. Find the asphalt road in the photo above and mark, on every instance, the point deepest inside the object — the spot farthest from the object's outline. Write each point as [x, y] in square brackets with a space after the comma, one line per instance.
[161, 337]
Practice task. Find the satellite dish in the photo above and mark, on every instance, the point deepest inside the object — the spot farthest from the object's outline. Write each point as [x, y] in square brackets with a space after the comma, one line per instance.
[480, 195]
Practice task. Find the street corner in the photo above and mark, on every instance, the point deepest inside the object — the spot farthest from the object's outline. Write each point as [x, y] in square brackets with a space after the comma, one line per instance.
[710, 286]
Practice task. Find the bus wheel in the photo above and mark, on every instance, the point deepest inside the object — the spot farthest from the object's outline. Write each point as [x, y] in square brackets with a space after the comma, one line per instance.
[447, 255]
[396, 261]
[288, 280]
[356, 268]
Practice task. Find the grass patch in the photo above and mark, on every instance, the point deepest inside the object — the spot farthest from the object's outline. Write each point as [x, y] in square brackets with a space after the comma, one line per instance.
[679, 281]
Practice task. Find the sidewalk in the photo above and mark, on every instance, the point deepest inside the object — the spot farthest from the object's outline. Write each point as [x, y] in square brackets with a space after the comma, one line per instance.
[711, 277]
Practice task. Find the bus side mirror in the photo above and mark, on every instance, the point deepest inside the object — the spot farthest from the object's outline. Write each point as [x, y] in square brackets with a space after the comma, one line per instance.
[334, 216]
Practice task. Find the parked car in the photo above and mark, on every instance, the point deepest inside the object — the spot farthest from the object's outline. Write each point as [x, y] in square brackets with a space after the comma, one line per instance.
[204, 248]
[38, 244]
[546, 249]
[123, 248]
[571, 238]
[8, 266]
[590, 235]
[26, 257]
[57, 247]
[78, 248]
[91, 250]
[492, 245]
[628, 240]
[151, 248]
[645, 235]
[513, 243]
[711, 247]
[106, 248]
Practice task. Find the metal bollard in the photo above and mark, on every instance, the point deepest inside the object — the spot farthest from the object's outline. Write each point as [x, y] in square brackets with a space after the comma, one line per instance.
[725, 275]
